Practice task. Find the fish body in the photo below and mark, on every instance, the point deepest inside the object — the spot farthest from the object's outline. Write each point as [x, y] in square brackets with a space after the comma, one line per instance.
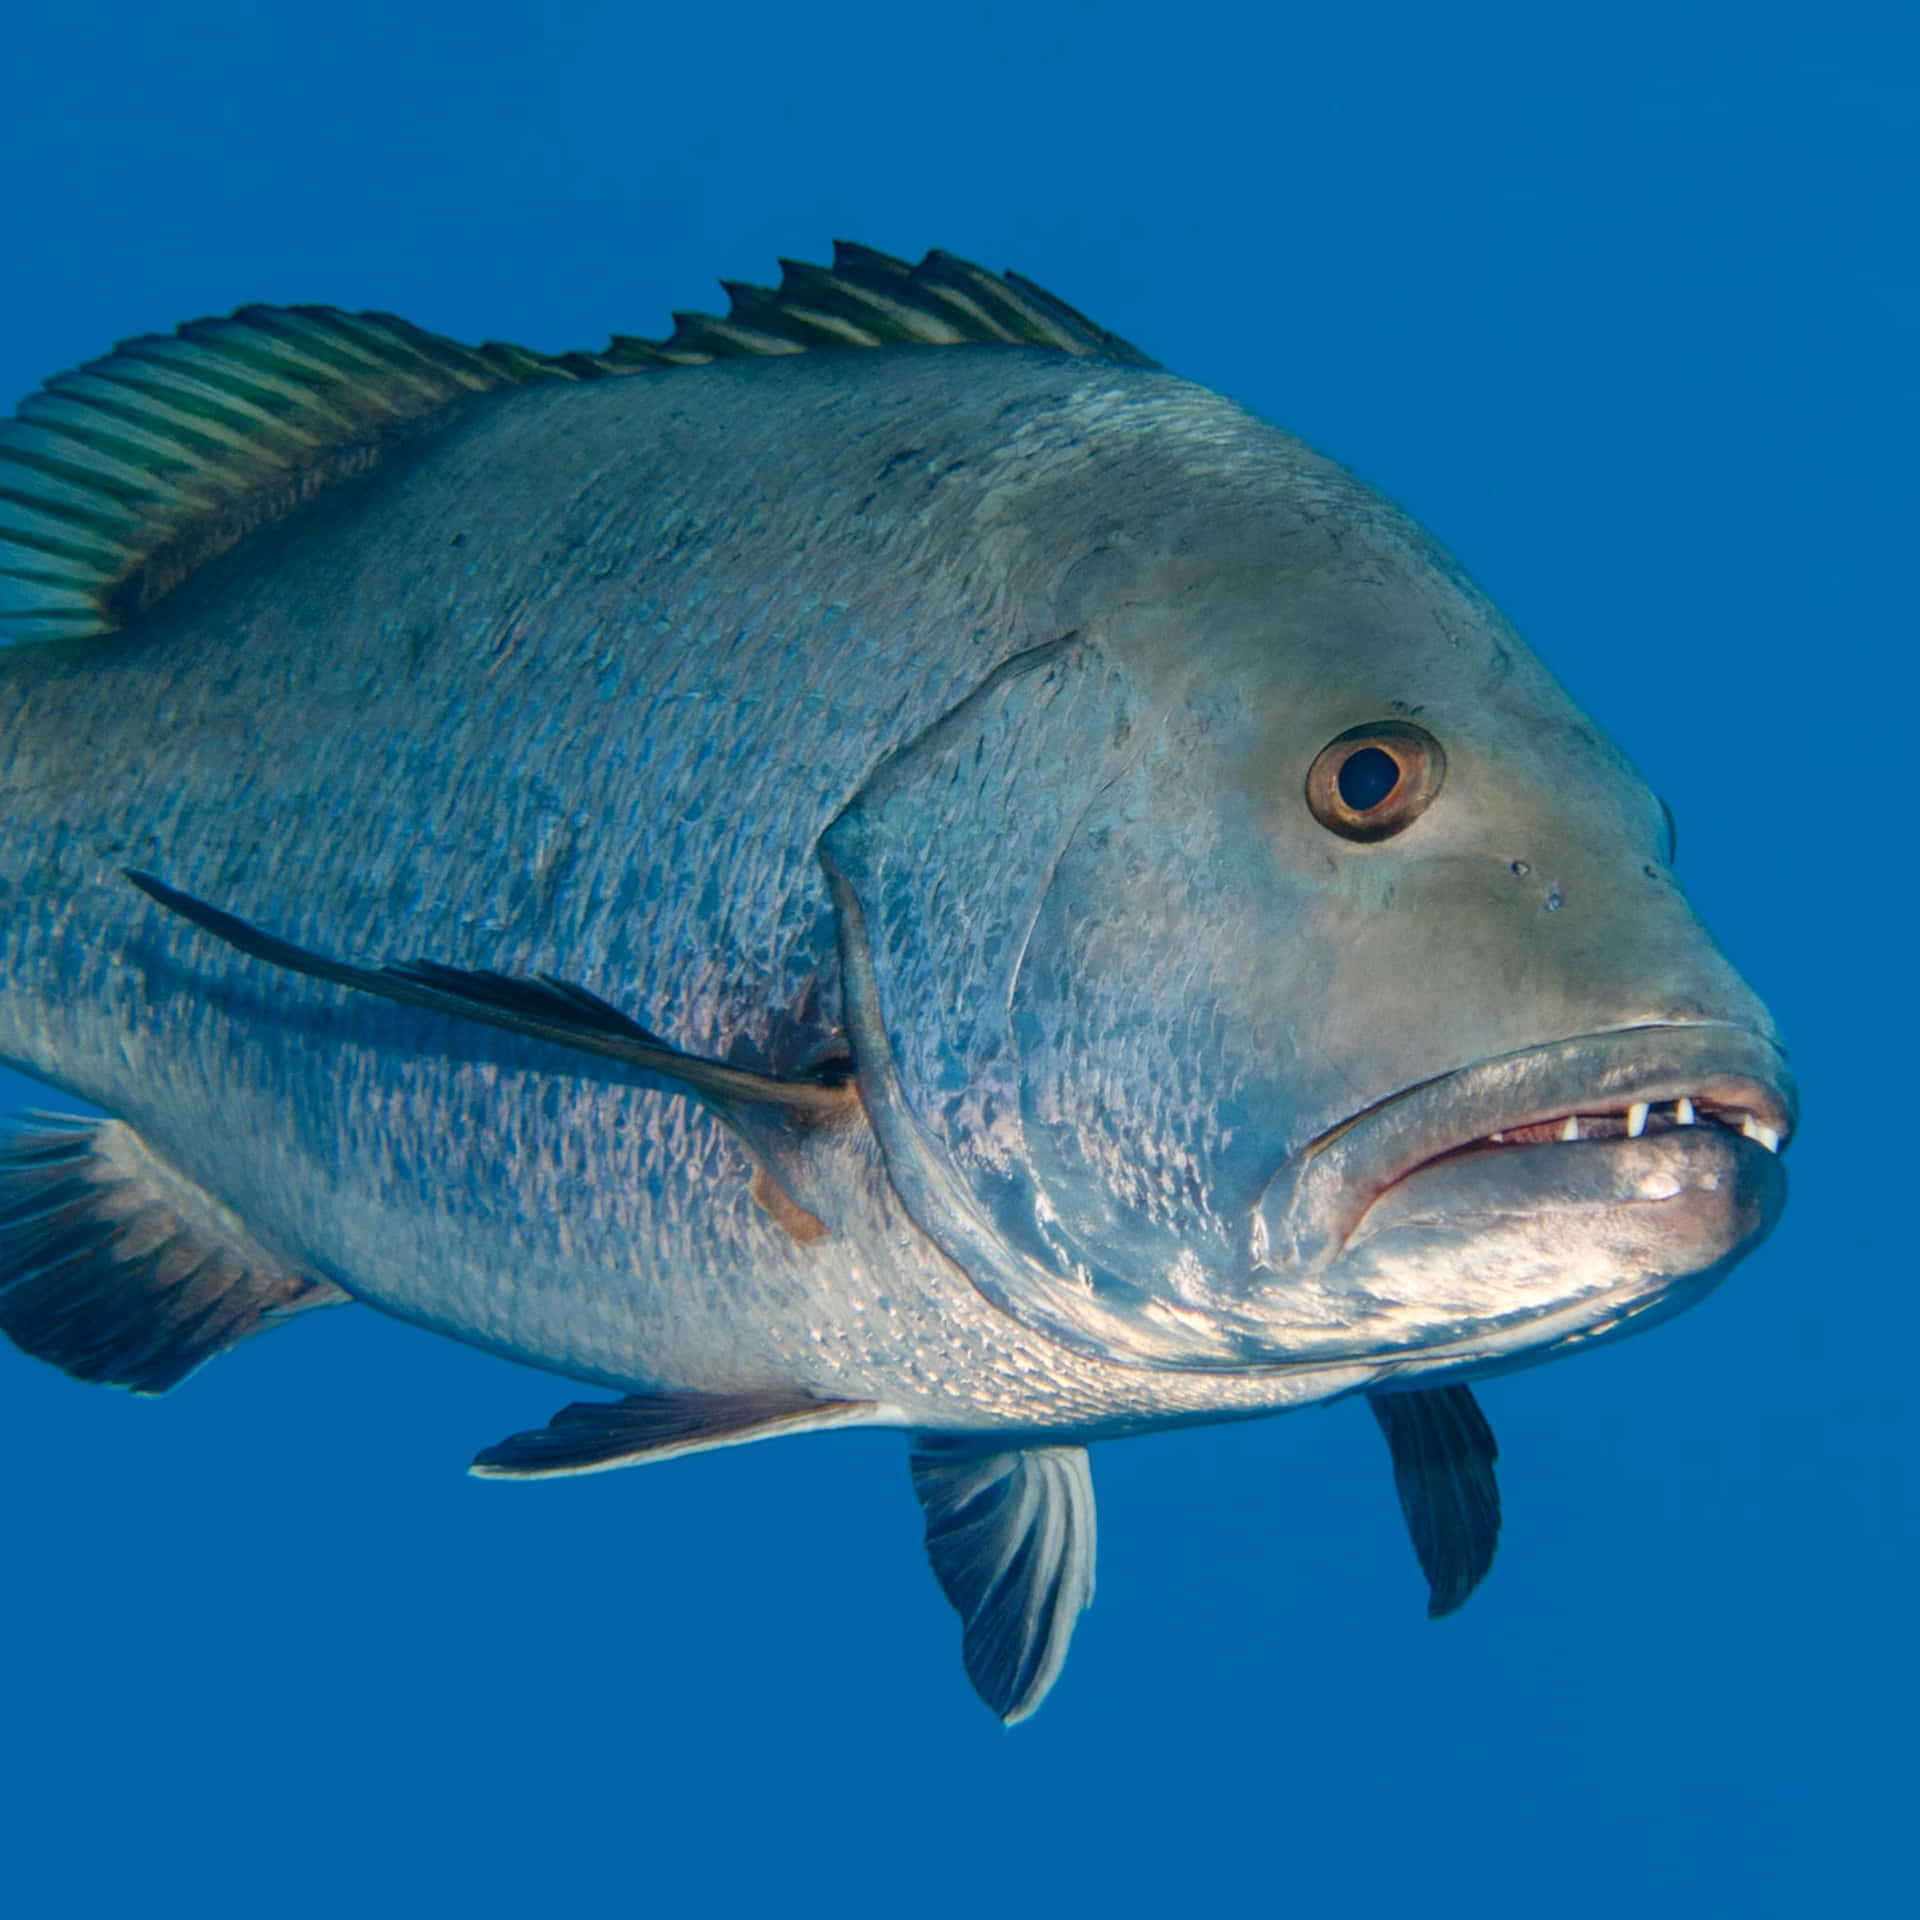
[928, 740]
[643, 725]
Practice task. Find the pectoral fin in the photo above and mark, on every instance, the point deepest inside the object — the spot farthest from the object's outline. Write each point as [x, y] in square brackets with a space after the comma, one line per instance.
[1011, 1540]
[117, 1269]
[1443, 1454]
[543, 1009]
[590, 1438]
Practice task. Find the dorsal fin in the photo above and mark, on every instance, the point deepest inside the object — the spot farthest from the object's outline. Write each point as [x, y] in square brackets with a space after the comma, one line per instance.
[120, 479]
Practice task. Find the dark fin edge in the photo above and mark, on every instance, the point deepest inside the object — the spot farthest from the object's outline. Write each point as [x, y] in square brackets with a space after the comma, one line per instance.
[1443, 1459]
[124, 476]
[1011, 1538]
[118, 1271]
[544, 1009]
[591, 1438]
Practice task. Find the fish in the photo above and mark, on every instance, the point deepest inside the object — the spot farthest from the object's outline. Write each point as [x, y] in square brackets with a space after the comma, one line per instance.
[878, 860]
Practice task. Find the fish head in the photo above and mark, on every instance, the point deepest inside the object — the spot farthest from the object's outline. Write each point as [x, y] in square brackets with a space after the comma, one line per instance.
[1279, 969]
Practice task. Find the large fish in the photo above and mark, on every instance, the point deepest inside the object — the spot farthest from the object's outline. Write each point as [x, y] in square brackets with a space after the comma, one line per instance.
[881, 860]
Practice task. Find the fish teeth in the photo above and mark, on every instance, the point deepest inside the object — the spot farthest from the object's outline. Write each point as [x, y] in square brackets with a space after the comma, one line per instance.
[1685, 1114]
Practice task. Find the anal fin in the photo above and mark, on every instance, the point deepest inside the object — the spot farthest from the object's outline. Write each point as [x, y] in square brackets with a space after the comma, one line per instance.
[116, 1269]
[592, 1438]
[1011, 1540]
[1443, 1454]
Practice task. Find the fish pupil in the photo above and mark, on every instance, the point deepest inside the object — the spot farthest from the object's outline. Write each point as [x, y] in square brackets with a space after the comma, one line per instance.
[1367, 778]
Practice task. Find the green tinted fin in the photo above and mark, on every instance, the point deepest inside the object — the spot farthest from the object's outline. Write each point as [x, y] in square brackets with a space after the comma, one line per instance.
[116, 1269]
[120, 479]
[591, 1438]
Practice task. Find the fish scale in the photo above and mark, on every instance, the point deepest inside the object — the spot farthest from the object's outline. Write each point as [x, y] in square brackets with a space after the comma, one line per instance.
[695, 967]
[800, 873]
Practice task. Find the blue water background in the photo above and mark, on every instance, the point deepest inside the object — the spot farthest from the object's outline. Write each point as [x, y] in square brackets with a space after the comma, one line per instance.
[1622, 304]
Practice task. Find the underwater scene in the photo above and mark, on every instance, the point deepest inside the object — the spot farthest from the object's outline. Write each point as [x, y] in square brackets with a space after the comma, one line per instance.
[1062, 845]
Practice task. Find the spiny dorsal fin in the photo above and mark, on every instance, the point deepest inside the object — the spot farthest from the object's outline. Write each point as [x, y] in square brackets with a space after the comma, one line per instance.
[120, 479]
[870, 299]
[116, 1269]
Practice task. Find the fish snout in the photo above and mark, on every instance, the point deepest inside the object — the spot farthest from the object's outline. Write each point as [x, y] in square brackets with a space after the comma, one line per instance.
[1629, 1088]
[1606, 927]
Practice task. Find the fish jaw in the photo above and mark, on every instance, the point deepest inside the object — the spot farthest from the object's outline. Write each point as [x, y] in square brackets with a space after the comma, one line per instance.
[1520, 1251]
[1526, 1203]
[1321, 1195]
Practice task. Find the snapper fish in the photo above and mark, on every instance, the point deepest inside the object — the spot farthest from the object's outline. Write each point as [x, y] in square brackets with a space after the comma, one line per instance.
[878, 861]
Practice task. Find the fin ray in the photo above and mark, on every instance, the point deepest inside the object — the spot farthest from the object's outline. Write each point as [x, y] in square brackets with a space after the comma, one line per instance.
[593, 1437]
[1443, 1470]
[1011, 1539]
[116, 1270]
[174, 447]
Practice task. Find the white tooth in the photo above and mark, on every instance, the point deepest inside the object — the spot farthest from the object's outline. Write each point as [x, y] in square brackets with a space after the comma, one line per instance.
[1496, 1136]
[1571, 1131]
[1636, 1120]
[1756, 1130]
[1683, 1112]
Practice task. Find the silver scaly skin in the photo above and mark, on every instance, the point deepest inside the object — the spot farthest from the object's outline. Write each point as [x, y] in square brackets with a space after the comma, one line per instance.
[955, 711]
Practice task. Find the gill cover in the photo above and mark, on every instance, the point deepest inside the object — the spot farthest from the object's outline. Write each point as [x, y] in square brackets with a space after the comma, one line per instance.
[960, 878]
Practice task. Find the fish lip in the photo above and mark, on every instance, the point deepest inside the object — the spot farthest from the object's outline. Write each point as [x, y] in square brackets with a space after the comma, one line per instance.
[1311, 1208]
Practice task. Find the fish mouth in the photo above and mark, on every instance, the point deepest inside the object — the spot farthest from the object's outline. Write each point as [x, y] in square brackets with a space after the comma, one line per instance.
[1630, 1084]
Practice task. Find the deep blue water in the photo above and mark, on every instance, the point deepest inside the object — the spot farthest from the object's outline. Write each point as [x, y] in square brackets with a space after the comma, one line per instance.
[1622, 306]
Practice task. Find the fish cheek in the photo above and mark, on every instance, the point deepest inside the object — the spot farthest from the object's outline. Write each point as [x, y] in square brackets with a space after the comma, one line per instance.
[1012, 933]
[1153, 1032]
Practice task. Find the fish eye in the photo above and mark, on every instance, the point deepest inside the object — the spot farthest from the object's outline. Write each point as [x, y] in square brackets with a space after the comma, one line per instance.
[1371, 781]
